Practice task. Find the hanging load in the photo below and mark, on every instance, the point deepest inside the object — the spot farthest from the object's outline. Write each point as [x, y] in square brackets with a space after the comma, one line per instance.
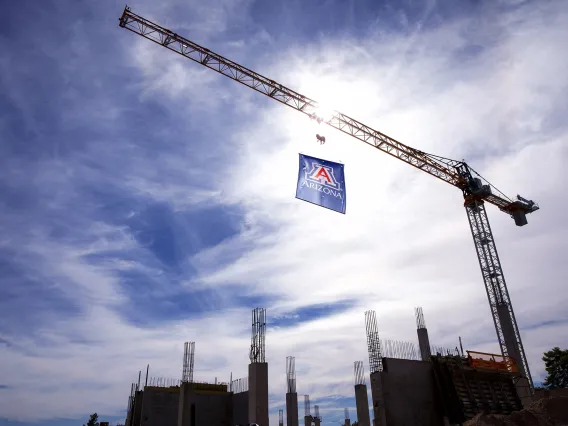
[321, 182]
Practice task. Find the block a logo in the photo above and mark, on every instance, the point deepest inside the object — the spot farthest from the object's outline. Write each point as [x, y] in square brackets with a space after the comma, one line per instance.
[323, 175]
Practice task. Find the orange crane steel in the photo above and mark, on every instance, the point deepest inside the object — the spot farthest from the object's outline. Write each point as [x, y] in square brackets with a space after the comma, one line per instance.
[475, 189]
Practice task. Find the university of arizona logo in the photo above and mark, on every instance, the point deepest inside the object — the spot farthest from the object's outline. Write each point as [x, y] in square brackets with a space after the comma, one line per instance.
[321, 182]
[323, 175]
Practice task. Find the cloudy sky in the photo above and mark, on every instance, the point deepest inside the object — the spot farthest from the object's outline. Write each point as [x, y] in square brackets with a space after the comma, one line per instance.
[146, 200]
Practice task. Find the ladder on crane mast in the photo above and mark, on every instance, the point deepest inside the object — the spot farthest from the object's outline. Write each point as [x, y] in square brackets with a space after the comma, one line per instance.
[475, 189]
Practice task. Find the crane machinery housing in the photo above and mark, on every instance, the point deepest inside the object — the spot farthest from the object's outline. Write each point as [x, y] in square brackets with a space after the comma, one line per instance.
[475, 189]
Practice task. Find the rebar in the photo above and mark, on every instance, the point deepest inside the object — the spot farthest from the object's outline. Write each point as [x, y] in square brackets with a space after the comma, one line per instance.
[257, 346]
[188, 357]
[359, 373]
[240, 385]
[317, 412]
[400, 350]
[307, 410]
[346, 414]
[280, 417]
[291, 374]
[420, 323]
[373, 342]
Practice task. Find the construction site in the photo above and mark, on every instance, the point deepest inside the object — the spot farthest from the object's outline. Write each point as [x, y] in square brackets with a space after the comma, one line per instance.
[411, 384]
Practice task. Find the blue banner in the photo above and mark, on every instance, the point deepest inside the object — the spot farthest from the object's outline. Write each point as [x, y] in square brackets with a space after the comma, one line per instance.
[321, 182]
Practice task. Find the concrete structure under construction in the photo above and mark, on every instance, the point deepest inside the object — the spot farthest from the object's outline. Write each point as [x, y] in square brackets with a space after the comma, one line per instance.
[361, 396]
[187, 403]
[204, 407]
[291, 395]
[258, 371]
[258, 393]
[422, 331]
[190, 404]
[436, 386]
[404, 394]
[424, 393]
[291, 409]
[362, 403]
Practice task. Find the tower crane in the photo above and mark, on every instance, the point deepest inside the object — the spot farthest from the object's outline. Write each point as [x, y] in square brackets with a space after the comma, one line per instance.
[475, 189]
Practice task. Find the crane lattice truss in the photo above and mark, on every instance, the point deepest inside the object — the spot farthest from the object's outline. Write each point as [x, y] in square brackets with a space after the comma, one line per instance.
[475, 189]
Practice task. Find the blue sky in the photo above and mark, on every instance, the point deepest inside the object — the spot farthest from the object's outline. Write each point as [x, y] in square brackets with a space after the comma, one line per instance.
[146, 201]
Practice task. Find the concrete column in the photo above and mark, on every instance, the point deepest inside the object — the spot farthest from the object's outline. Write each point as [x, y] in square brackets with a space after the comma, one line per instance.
[186, 416]
[258, 393]
[362, 403]
[317, 422]
[137, 412]
[347, 422]
[378, 398]
[307, 420]
[292, 409]
[514, 352]
[424, 344]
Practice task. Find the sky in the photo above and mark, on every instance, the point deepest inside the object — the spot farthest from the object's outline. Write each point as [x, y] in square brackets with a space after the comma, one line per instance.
[146, 201]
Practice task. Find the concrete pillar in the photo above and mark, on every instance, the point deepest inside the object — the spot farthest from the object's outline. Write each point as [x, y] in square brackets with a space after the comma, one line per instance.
[378, 399]
[514, 352]
[137, 412]
[292, 409]
[317, 421]
[258, 393]
[424, 344]
[186, 415]
[362, 403]
[347, 422]
[307, 420]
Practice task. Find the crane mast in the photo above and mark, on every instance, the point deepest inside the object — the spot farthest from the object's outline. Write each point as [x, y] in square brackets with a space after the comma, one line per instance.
[475, 189]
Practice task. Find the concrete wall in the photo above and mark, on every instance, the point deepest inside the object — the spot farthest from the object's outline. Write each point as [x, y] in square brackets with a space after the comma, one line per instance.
[408, 391]
[258, 393]
[160, 406]
[292, 409]
[362, 403]
[240, 408]
[378, 400]
[204, 407]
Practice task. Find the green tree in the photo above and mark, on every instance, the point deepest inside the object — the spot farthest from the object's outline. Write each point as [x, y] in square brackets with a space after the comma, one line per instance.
[93, 420]
[556, 364]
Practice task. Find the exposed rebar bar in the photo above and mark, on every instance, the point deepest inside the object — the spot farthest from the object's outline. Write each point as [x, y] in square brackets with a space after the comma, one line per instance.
[188, 357]
[420, 323]
[359, 373]
[399, 349]
[373, 342]
[291, 374]
[240, 385]
[307, 410]
[257, 346]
